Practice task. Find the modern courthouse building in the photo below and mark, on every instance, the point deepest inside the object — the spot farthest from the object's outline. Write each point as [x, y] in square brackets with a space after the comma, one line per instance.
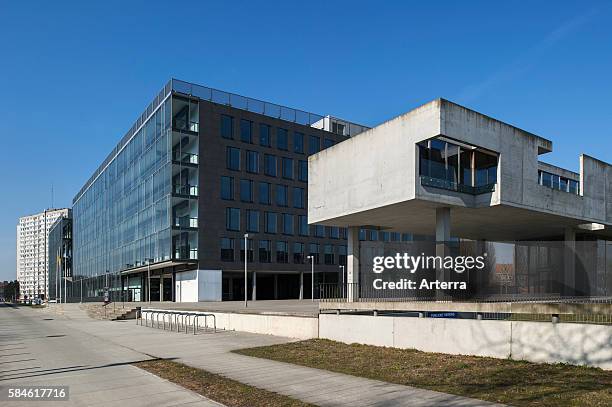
[167, 211]
[448, 171]
[32, 247]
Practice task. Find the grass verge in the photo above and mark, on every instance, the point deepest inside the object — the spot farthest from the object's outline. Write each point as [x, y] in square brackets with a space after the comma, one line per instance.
[499, 380]
[215, 387]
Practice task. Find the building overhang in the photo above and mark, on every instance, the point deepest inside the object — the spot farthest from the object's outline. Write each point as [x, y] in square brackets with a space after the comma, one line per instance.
[158, 266]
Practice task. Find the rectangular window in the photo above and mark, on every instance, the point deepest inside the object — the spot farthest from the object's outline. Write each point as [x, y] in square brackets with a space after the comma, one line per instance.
[334, 232]
[233, 158]
[245, 131]
[270, 226]
[282, 252]
[329, 254]
[246, 190]
[252, 220]
[302, 225]
[298, 253]
[314, 145]
[265, 251]
[249, 250]
[227, 188]
[319, 231]
[338, 128]
[281, 195]
[252, 162]
[303, 171]
[287, 224]
[298, 142]
[264, 135]
[573, 186]
[342, 255]
[227, 126]
[328, 143]
[298, 197]
[313, 251]
[265, 192]
[374, 235]
[232, 219]
[270, 165]
[282, 142]
[227, 249]
[287, 168]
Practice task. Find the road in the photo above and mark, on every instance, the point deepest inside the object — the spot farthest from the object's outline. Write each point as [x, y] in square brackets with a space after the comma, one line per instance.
[41, 349]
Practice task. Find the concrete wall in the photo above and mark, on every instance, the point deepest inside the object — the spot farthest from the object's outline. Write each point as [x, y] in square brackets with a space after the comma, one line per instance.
[583, 344]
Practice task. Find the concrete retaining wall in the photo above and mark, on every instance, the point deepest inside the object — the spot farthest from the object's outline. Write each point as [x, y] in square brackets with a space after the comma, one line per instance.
[581, 344]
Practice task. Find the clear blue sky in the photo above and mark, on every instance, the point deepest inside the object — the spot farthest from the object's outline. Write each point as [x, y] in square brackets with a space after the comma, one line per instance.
[76, 75]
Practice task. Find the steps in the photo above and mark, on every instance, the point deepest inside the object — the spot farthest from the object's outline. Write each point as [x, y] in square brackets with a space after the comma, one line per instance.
[110, 312]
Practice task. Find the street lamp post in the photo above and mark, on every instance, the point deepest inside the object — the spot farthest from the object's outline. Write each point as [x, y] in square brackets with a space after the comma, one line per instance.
[311, 258]
[342, 268]
[246, 243]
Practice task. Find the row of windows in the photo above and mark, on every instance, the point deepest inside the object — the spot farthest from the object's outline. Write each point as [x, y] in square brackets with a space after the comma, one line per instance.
[331, 254]
[557, 182]
[277, 223]
[265, 136]
[247, 192]
[272, 165]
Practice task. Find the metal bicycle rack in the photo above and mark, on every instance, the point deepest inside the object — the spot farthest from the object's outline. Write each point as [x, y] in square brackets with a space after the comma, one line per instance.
[182, 320]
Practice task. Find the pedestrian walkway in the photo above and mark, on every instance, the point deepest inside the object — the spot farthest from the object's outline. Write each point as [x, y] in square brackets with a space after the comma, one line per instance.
[211, 352]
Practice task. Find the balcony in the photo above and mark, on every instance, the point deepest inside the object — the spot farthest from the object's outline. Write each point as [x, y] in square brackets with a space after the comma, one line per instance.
[185, 253]
[185, 222]
[453, 186]
[185, 125]
[185, 190]
[184, 158]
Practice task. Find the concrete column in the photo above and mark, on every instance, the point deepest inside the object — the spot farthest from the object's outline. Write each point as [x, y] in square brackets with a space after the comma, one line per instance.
[276, 286]
[173, 286]
[352, 263]
[569, 262]
[443, 221]
[161, 288]
[254, 283]
[302, 285]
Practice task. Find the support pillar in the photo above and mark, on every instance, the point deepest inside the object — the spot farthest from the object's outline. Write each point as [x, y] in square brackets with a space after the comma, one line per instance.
[443, 221]
[276, 286]
[254, 285]
[161, 288]
[173, 286]
[301, 285]
[569, 262]
[352, 263]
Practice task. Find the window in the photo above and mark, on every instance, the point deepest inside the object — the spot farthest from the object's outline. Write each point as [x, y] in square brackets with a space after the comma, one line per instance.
[328, 143]
[314, 252]
[264, 135]
[245, 131]
[281, 195]
[287, 168]
[227, 188]
[287, 224]
[265, 251]
[557, 182]
[314, 145]
[227, 126]
[302, 225]
[406, 237]
[298, 253]
[282, 142]
[298, 197]
[270, 165]
[232, 219]
[303, 171]
[573, 186]
[270, 226]
[319, 231]
[298, 142]
[338, 128]
[334, 232]
[233, 158]
[282, 252]
[265, 193]
[227, 249]
[329, 254]
[252, 220]
[252, 162]
[249, 250]
[342, 255]
[246, 190]
[374, 235]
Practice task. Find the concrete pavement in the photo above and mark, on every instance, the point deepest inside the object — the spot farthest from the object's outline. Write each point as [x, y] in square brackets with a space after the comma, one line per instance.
[41, 349]
[211, 352]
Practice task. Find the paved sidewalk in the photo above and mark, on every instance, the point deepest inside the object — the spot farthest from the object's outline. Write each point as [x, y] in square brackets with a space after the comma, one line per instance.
[42, 349]
[212, 352]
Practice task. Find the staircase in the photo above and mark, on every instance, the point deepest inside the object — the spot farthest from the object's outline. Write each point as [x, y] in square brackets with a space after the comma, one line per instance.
[109, 312]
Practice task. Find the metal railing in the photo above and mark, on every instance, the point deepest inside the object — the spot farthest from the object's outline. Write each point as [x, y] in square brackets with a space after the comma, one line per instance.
[185, 189]
[185, 253]
[184, 158]
[184, 124]
[453, 186]
[180, 320]
[185, 222]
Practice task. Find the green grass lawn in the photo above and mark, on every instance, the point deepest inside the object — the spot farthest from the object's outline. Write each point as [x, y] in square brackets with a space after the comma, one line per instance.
[499, 380]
